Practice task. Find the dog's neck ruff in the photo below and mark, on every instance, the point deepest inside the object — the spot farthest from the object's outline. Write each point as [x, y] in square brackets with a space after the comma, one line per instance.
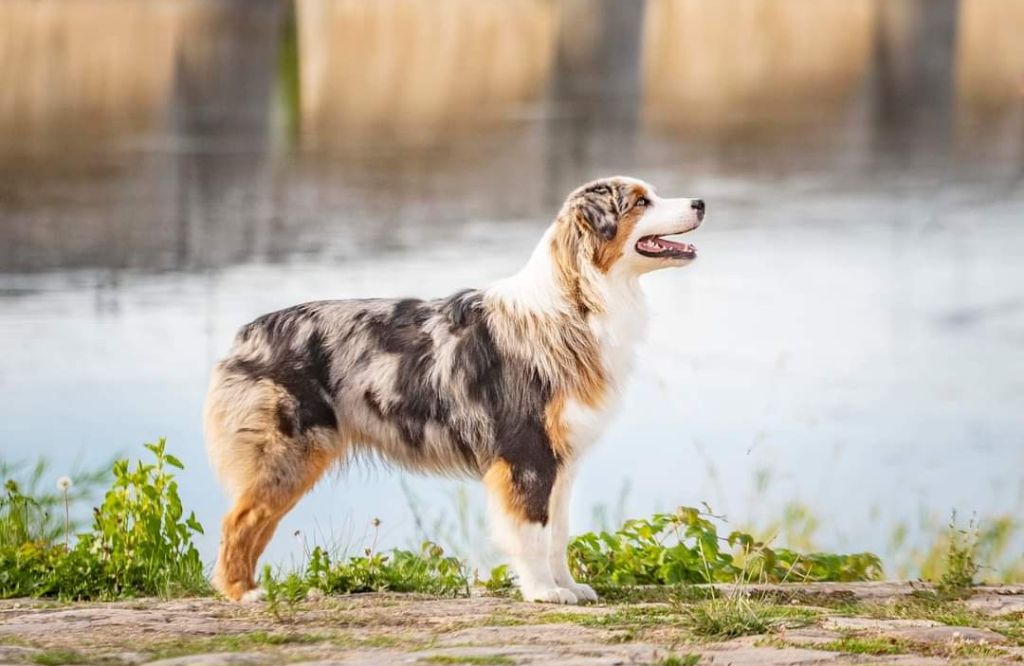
[580, 334]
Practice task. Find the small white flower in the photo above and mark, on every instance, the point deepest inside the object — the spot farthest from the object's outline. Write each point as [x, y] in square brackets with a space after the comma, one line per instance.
[64, 484]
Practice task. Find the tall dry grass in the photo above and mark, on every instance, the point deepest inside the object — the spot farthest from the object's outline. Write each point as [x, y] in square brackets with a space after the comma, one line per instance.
[408, 69]
[749, 62]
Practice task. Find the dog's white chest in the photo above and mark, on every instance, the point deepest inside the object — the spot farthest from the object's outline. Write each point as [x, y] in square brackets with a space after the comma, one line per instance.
[618, 331]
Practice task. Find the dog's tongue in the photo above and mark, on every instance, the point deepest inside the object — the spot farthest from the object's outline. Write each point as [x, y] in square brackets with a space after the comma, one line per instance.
[672, 245]
[658, 244]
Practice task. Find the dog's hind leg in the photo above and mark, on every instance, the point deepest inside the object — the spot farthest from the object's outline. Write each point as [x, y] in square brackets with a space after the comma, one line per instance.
[249, 526]
[266, 462]
[519, 495]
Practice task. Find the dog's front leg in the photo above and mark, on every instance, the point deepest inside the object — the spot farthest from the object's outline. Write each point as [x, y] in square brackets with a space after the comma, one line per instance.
[561, 497]
[519, 494]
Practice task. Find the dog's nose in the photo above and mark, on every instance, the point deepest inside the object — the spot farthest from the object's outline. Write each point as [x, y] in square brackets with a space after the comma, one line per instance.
[698, 205]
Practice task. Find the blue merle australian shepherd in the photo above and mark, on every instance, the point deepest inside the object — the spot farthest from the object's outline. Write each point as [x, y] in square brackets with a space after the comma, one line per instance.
[510, 384]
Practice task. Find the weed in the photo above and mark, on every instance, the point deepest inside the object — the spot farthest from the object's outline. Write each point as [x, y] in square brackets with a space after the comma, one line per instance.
[58, 658]
[478, 660]
[232, 643]
[429, 571]
[925, 605]
[139, 545]
[503, 619]
[630, 617]
[739, 615]
[875, 645]
[685, 660]
[685, 547]
[500, 582]
[30, 514]
[993, 542]
[965, 649]
[961, 565]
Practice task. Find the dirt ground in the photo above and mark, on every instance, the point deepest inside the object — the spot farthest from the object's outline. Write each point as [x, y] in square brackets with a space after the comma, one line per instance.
[864, 623]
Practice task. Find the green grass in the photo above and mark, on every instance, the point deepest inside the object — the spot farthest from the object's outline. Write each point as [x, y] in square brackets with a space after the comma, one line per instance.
[735, 616]
[685, 660]
[632, 617]
[924, 606]
[232, 643]
[874, 645]
[973, 650]
[479, 660]
[59, 657]
[961, 562]
[502, 619]
[140, 542]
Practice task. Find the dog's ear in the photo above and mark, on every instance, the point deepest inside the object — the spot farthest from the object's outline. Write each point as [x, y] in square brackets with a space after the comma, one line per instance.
[597, 208]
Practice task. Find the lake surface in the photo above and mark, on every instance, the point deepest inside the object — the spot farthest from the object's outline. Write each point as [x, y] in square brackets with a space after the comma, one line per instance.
[851, 337]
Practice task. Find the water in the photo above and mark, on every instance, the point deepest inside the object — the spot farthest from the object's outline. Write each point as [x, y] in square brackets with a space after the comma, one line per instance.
[852, 336]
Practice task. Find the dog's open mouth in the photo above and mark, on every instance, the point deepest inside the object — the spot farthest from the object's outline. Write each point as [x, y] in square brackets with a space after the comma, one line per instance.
[662, 248]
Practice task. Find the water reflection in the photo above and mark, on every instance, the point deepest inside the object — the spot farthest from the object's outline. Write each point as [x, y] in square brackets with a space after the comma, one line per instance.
[854, 324]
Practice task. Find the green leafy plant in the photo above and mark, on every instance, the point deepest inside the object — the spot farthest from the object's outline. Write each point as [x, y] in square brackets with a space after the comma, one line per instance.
[500, 581]
[685, 547]
[428, 571]
[140, 532]
[140, 542]
[283, 595]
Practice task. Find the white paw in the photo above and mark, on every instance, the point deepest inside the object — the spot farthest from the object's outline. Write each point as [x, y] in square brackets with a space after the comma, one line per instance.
[254, 595]
[583, 591]
[550, 595]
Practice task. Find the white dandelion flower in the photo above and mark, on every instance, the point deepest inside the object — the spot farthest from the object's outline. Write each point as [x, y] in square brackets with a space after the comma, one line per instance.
[64, 484]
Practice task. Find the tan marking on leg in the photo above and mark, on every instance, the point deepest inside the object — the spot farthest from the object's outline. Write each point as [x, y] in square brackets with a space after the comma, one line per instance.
[498, 480]
[249, 526]
[554, 425]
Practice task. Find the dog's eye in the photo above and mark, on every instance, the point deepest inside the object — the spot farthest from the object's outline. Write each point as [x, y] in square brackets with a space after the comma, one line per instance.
[643, 202]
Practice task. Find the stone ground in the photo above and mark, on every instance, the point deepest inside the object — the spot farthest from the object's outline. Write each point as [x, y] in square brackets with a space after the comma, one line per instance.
[863, 623]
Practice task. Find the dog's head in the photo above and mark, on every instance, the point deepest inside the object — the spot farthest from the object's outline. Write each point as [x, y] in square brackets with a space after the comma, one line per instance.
[619, 224]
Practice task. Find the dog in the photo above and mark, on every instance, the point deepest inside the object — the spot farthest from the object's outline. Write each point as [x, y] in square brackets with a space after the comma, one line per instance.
[510, 384]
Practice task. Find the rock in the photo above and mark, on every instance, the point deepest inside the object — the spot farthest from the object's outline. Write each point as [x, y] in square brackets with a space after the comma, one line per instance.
[996, 604]
[386, 629]
[215, 659]
[525, 634]
[942, 635]
[847, 624]
[9, 653]
[89, 619]
[597, 654]
[750, 655]
[809, 636]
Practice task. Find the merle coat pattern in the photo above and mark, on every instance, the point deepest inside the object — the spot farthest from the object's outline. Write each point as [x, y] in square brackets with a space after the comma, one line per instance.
[508, 384]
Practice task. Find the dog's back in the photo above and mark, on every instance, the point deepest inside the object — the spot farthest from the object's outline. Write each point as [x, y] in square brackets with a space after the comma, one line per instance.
[510, 384]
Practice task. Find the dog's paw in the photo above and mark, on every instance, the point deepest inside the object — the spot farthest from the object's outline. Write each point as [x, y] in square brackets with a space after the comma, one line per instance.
[254, 595]
[551, 595]
[583, 591]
